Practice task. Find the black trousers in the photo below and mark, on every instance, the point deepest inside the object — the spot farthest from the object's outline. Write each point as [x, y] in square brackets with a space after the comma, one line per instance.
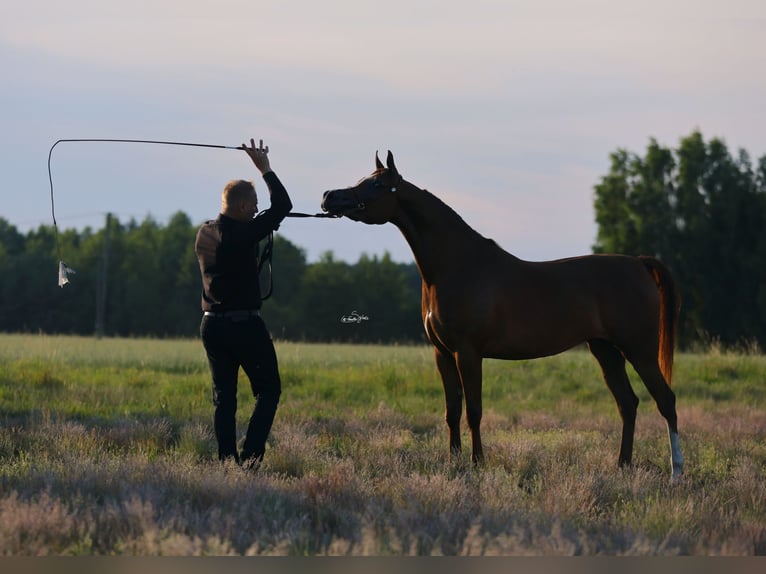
[231, 343]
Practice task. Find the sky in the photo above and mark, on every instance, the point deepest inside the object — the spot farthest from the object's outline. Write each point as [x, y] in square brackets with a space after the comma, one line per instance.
[506, 110]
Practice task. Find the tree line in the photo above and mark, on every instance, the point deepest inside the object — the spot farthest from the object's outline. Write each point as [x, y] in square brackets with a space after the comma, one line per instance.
[150, 286]
[702, 211]
[697, 208]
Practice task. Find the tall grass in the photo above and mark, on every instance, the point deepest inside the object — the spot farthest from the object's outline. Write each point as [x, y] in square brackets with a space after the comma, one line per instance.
[106, 449]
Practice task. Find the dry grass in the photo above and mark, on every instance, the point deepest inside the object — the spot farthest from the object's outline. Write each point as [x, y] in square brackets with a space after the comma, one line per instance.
[371, 477]
[372, 487]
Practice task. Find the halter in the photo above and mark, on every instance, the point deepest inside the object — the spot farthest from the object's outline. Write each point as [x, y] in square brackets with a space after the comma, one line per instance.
[371, 191]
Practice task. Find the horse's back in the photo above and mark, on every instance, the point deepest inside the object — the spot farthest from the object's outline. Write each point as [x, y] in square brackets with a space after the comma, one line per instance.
[619, 293]
[521, 309]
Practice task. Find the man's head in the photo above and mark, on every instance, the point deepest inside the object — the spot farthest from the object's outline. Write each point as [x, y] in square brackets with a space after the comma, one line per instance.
[239, 200]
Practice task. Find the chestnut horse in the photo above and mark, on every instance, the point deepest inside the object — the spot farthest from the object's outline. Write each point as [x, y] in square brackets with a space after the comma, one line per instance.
[480, 301]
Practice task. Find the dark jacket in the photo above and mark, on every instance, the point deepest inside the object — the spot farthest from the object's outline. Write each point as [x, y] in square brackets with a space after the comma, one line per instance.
[227, 251]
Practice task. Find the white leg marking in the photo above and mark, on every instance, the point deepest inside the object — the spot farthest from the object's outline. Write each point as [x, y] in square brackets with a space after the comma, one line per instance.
[676, 457]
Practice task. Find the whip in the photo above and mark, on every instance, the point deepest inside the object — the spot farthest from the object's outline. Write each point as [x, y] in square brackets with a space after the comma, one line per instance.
[64, 271]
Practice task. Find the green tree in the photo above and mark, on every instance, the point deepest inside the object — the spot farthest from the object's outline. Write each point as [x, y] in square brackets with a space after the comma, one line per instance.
[382, 293]
[703, 212]
[327, 288]
[153, 286]
[633, 203]
[282, 311]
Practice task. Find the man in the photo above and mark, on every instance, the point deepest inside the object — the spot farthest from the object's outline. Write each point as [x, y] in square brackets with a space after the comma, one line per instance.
[232, 330]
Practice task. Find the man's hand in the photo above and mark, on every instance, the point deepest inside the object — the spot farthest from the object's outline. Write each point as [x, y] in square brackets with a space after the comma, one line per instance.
[259, 155]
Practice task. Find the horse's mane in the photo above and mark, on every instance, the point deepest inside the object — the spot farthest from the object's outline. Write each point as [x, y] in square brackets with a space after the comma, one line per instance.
[452, 216]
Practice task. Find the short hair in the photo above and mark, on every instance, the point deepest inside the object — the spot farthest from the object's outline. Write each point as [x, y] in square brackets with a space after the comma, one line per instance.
[237, 190]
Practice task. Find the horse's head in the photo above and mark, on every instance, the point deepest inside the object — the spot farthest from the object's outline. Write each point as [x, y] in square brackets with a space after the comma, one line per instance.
[372, 200]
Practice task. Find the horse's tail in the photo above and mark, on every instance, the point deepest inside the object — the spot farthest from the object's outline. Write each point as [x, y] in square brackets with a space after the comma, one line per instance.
[670, 305]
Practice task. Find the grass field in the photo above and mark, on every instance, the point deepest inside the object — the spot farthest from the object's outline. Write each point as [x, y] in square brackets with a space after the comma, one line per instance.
[106, 448]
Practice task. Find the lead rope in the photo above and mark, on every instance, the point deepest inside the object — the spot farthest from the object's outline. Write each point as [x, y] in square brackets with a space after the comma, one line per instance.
[266, 259]
[268, 250]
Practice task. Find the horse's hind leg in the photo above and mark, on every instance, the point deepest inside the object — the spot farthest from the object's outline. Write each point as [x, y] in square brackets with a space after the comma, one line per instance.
[613, 367]
[650, 373]
[453, 396]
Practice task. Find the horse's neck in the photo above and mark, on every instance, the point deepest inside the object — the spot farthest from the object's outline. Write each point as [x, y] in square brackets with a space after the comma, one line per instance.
[437, 235]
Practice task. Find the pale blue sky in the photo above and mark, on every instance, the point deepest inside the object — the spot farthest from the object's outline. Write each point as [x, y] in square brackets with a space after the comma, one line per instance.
[507, 110]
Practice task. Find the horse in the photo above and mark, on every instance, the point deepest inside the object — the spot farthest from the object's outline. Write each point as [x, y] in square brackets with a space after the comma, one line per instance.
[479, 301]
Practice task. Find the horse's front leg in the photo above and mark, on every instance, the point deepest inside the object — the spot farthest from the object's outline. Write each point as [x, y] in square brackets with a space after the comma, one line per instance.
[453, 395]
[469, 368]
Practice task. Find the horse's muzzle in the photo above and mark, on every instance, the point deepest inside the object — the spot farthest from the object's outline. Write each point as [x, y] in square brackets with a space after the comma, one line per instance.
[339, 202]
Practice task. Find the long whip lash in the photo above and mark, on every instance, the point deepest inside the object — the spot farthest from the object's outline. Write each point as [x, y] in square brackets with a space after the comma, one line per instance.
[64, 269]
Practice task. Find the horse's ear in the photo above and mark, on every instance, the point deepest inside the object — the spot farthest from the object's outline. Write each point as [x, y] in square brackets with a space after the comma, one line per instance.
[390, 163]
[378, 163]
